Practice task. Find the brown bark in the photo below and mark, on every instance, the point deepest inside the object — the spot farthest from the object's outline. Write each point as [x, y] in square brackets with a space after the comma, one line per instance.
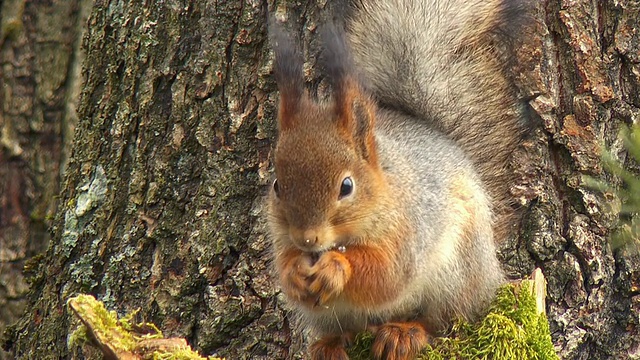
[161, 201]
[39, 52]
[582, 67]
[162, 187]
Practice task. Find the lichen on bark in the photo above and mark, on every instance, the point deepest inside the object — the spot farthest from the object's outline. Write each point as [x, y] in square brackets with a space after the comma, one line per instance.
[160, 205]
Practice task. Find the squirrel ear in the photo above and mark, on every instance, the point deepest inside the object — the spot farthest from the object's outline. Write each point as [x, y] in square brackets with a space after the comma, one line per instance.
[288, 73]
[355, 111]
[358, 114]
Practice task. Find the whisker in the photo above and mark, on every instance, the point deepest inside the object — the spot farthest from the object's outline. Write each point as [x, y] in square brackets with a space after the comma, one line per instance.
[333, 310]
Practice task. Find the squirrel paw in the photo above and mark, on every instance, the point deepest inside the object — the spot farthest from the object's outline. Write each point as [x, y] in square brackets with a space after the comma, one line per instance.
[330, 348]
[399, 341]
[295, 278]
[328, 277]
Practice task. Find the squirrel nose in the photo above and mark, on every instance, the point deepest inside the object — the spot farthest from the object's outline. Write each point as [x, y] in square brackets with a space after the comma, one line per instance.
[309, 237]
[307, 240]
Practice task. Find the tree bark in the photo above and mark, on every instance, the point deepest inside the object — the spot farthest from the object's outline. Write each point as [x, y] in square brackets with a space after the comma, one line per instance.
[585, 83]
[40, 56]
[160, 199]
[160, 207]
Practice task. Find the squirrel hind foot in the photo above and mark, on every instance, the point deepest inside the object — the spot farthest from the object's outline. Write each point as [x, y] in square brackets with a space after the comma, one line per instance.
[331, 347]
[399, 341]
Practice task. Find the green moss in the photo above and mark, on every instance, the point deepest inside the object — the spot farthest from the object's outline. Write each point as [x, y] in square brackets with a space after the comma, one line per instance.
[78, 337]
[118, 334]
[104, 324]
[512, 329]
[182, 354]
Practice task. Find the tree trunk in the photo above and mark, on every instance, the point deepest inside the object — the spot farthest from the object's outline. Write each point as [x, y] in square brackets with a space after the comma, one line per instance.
[583, 68]
[161, 204]
[40, 56]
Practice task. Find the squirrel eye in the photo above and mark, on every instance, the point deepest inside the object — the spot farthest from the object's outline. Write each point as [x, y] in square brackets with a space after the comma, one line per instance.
[346, 188]
[276, 189]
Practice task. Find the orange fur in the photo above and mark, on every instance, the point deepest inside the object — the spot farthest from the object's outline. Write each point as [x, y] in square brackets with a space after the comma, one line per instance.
[289, 110]
[345, 98]
[294, 268]
[286, 111]
[329, 275]
[399, 341]
[319, 283]
[377, 282]
[331, 347]
[313, 284]
[356, 118]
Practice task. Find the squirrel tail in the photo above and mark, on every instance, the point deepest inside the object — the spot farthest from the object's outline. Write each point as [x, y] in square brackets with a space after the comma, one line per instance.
[445, 62]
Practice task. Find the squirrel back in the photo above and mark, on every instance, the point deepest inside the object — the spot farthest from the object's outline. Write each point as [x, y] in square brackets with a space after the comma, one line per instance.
[445, 62]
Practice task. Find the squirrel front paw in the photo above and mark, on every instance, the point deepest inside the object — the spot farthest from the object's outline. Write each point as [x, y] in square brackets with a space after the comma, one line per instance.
[328, 277]
[315, 284]
[294, 277]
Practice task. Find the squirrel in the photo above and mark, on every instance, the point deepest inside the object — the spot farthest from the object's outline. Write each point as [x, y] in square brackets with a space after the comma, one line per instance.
[390, 195]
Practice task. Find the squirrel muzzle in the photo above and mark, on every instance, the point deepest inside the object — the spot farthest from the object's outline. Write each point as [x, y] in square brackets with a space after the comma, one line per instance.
[314, 239]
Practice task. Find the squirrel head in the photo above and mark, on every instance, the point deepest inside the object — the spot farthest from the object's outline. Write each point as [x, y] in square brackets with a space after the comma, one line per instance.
[328, 176]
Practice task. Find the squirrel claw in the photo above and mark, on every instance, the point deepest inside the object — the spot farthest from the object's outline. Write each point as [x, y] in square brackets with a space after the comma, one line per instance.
[295, 278]
[399, 341]
[329, 276]
[330, 348]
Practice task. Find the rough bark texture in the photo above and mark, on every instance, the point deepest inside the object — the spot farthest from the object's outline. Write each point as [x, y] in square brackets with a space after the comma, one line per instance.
[160, 206]
[161, 190]
[39, 53]
[583, 66]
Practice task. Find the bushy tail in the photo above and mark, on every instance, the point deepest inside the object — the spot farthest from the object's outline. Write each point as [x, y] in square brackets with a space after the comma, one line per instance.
[444, 61]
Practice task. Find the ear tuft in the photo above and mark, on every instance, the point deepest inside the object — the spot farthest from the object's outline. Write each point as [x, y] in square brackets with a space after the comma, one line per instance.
[288, 74]
[355, 111]
[337, 65]
[336, 59]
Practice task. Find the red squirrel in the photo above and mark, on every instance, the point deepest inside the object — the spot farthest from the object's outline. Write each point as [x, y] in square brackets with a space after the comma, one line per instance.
[389, 198]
